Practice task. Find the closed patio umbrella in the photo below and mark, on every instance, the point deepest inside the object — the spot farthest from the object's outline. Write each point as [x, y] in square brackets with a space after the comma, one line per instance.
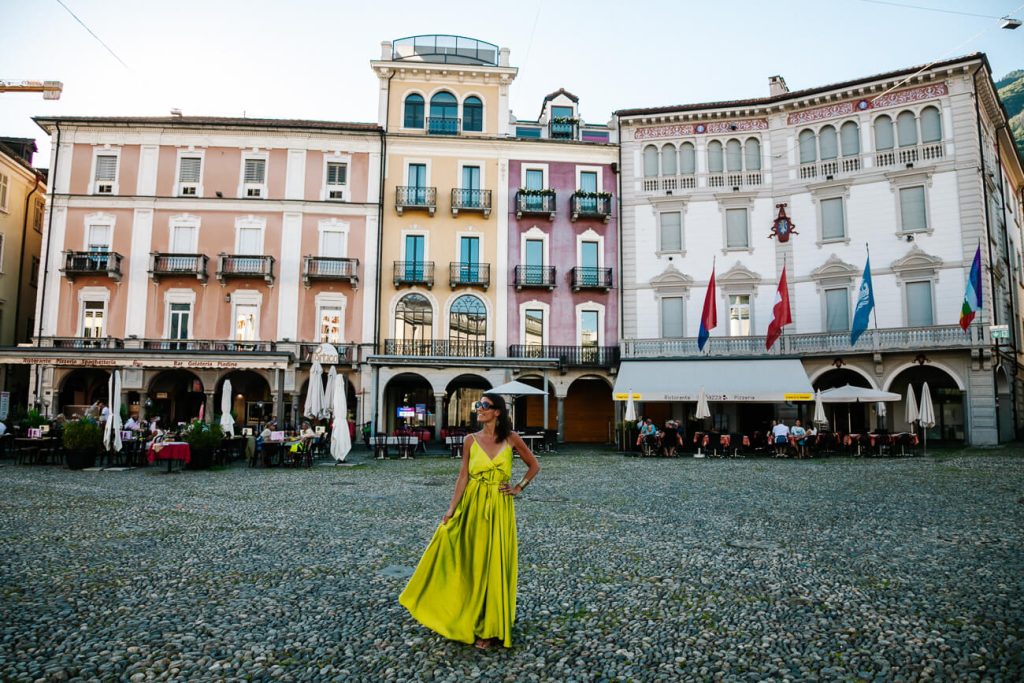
[328, 407]
[341, 441]
[629, 417]
[112, 429]
[314, 391]
[702, 405]
[819, 409]
[911, 410]
[927, 417]
[227, 423]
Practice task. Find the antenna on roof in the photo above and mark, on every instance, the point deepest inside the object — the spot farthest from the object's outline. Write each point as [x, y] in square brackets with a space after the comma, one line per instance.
[176, 112]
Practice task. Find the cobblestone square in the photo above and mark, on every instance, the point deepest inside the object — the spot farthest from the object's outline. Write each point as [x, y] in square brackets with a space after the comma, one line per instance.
[630, 569]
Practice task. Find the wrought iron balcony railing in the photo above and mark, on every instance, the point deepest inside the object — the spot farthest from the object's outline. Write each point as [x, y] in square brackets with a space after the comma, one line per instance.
[584, 206]
[92, 263]
[415, 198]
[347, 353]
[462, 274]
[414, 273]
[226, 345]
[471, 200]
[587, 277]
[535, 204]
[569, 356]
[82, 342]
[173, 265]
[330, 268]
[236, 266]
[535, 276]
[438, 347]
[443, 125]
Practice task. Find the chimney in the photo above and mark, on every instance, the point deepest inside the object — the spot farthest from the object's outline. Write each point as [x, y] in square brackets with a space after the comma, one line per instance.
[777, 86]
[385, 51]
[503, 56]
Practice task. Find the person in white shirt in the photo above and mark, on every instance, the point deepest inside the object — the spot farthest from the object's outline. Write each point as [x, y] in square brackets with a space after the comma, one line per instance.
[132, 425]
[780, 436]
[800, 434]
[104, 413]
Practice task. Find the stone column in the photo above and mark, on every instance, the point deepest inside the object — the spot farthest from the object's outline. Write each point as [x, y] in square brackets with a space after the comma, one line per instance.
[209, 406]
[561, 419]
[295, 412]
[142, 405]
[439, 412]
[279, 394]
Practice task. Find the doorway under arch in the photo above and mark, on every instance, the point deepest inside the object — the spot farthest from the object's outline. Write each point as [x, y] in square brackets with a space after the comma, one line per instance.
[408, 402]
[252, 402]
[462, 392]
[589, 411]
[81, 388]
[947, 399]
[174, 396]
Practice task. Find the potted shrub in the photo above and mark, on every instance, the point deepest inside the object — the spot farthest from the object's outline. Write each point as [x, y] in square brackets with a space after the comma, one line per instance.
[203, 440]
[82, 440]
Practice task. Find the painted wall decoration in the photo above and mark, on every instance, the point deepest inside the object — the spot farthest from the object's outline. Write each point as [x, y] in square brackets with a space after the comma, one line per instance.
[893, 99]
[783, 227]
[709, 128]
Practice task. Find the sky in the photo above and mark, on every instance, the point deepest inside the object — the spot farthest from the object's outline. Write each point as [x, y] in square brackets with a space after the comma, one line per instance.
[310, 58]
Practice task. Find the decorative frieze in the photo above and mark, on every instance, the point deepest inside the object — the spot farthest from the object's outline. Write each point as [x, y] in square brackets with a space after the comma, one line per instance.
[709, 128]
[892, 99]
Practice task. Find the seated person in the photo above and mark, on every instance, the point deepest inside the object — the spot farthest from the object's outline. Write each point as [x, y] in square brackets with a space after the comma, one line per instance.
[800, 434]
[132, 425]
[649, 433]
[670, 439]
[307, 435]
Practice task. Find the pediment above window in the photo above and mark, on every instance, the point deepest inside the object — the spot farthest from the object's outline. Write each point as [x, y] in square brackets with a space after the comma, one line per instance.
[671, 279]
[834, 271]
[916, 262]
[739, 276]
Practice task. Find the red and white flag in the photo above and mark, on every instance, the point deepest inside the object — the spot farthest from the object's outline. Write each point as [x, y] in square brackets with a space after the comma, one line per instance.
[782, 316]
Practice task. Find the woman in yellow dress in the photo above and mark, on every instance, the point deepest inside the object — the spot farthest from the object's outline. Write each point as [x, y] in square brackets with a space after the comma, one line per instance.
[464, 587]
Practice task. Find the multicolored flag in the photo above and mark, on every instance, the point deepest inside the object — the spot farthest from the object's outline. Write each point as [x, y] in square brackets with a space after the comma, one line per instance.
[709, 317]
[972, 297]
[780, 311]
[865, 302]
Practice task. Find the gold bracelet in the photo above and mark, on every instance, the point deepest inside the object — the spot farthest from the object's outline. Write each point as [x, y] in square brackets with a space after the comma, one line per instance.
[523, 483]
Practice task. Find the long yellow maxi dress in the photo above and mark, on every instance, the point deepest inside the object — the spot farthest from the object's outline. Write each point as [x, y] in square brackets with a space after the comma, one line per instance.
[465, 584]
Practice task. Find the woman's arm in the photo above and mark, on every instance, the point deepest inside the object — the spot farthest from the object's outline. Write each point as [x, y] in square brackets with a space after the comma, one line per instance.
[460, 483]
[527, 456]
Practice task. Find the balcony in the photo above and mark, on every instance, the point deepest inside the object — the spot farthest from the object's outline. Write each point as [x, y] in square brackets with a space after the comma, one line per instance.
[563, 129]
[735, 180]
[348, 354]
[438, 347]
[471, 200]
[535, 202]
[669, 184]
[423, 198]
[178, 265]
[81, 342]
[830, 168]
[443, 126]
[223, 345]
[330, 268]
[92, 263]
[535, 276]
[906, 157]
[569, 356]
[462, 274]
[414, 273]
[588, 277]
[814, 344]
[591, 205]
[245, 267]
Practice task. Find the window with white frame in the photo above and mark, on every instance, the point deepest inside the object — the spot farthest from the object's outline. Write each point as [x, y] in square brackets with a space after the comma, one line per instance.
[919, 304]
[739, 315]
[246, 321]
[333, 243]
[4, 183]
[97, 236]
[190, 170]
[670, 231]
[336, 181]
[254, 177]
[93, 316]
[184, 236]
[590, 332]
[179, 320]
[833, 219]
[330, 327]
[737, 232]
[533, 327]
[837, 310]
[105, 172]
[672, 317]
[913, 210]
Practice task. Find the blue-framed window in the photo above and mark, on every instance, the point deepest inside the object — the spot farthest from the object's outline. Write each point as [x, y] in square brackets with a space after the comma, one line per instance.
[473, 115]
[413, 111]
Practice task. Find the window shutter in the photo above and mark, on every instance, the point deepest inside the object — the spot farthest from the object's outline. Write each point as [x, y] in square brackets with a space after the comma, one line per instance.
[189, 171]
[99, 237]
[650, 161]
[906, 129]
[752, 154]
[849, 136]
[883, 133]
[837, 310]
[736, 229]
[106, 167]
[255, 170]
[668, 160]
[672, 317]
[687, 159]
[671, 232]
[827, 142]
[912, 209]
[183, 239]
[733, 156]
[333, 244]
[715, 162]
[808, 154]
[919, 304]
[337, 174]
[832, 223]
[931, 125]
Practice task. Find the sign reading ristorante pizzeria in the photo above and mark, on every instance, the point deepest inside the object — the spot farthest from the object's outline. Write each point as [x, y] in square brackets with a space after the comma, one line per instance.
[189, 364]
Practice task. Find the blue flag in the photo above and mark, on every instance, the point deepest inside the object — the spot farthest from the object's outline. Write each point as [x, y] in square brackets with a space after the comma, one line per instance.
[865, 302]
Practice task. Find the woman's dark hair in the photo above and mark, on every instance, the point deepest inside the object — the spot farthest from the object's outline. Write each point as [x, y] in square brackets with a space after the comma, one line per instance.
[503, 423]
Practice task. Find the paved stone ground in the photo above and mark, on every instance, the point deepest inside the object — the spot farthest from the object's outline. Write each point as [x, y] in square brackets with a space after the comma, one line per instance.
[630, 569]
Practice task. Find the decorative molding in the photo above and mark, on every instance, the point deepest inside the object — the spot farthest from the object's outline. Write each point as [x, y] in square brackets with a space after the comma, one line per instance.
[739, 276]
[916, 263]
[710, 128]
[848, 108]
[834, 271]
[671, 279]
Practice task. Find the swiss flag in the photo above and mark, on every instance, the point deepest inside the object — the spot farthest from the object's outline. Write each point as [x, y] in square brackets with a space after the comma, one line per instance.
[782, 316]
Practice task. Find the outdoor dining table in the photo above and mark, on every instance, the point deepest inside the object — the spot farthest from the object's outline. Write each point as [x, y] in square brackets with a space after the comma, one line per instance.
[405, 445]
[455, 444]
[170, 451]
[31, 448]
[531, 441]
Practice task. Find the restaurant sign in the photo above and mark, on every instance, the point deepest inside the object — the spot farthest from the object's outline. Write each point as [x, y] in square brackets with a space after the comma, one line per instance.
[186, 364]
[326, 354]
[624, 396]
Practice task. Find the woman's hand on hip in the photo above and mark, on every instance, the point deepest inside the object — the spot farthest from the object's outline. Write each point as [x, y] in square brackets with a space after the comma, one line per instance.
[510, 490]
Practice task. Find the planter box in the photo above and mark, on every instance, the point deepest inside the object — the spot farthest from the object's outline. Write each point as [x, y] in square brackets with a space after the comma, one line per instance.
[77, 460]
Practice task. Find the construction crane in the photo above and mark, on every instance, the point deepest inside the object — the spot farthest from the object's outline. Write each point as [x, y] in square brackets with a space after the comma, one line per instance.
[51, 89]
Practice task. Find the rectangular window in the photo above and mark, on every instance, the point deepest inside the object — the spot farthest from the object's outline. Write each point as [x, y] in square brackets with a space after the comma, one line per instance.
[245, 322]
[739, 315]
[837, 310]
[183, 239]
[106, 173]
[254, 177]
[534, 261]
[37, 218]
[919, 304]
[534, 327]
[736, 234]
[588, 181]
[534, 179]
[337, 179]
[833, 224]
[99, 237]
[189, 171]
[330, 325]
[250, 241]
[912, 209]
[415, 251]
[179, 321]
[471, 177]
[3, 191]
[561, 112]
[527, 132]
[418, 181]
[469, 259]
[332, 244]
[92, 319]
[672, 317]
[671, 231]
[589, 333]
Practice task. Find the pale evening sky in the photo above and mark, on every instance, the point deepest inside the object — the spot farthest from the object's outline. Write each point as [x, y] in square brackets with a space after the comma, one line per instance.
[310, 58]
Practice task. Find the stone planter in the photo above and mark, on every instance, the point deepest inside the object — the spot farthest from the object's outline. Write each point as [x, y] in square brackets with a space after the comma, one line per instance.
[201, 458]
[80, 459]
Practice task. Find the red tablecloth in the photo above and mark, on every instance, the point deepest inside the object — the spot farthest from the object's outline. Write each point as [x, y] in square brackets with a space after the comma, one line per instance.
[172, 450]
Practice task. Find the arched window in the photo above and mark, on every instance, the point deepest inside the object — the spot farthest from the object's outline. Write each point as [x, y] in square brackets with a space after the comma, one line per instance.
[752, 154]
[473, 115]
[467, 326]
[414, 318]
[413, 111]
[715, 161]
[931, 125]
[733, 156]
[906, 129]
[883, 133]
[827, 143]
[444, 114]
[808, 152]
[687, 159]
[849, 138]
[650, 161]
[668, 160]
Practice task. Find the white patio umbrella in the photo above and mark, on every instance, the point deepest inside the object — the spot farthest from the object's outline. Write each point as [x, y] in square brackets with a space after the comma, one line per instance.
[882, 412]
[227, 423]
[911, 410]
[329, 406]
[314, 391]
[852, 394]
[112, 429]
[515, 389]
[702, 405]
[819, 409]
[341, 441]
[630, 416]
[927, 417]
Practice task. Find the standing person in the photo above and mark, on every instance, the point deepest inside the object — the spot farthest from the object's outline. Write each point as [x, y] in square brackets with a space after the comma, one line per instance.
[780, 437]
[800, 434]
[670, 438]
[464, 587]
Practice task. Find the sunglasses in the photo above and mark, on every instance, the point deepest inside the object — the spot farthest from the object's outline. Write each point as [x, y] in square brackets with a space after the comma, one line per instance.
[481, 405]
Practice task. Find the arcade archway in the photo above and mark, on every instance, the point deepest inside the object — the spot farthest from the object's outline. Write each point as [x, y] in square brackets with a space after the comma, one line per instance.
[462, 392]
[947, 399]
[589, 411]
[252, 402]
[408, 402]
[174, 396]
[81, 388]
